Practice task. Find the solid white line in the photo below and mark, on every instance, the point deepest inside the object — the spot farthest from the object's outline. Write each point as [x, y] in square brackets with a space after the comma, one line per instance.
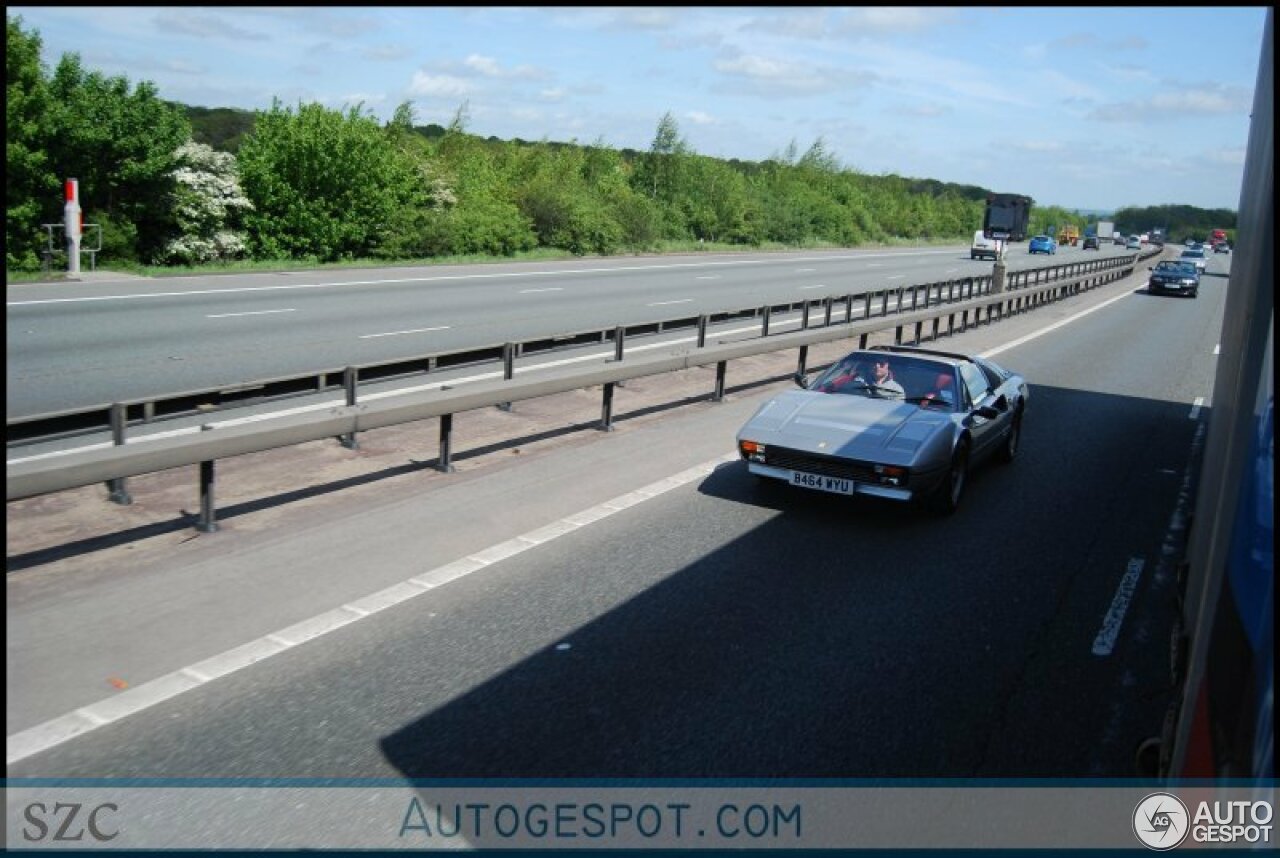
[896, 277]
[254, 313]
[665, 303]
[1196, 405]
[398, 333]
[85, 719]
[817, 286]
[1105, 642]
[805, 270]
[707, 277]
[487, 276]
[1217, 348]
[1040, 333]
[548, 289]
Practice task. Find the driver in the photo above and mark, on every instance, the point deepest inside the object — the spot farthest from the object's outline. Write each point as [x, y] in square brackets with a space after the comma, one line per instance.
[882, 378]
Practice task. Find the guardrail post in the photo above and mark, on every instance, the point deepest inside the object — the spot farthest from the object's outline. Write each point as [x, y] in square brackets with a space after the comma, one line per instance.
[117, 493]
[804, 358]
[866, 305]
[765, 313]
[915, 296]
[718, 395]
[826, 311]
[445, 463]
[862, 341]
[207, 522]
[936, 321]
[884, 303]
[508, 369]
[350, 378]
[848, 309]
[702, 330]
[804, 317]
[606, 408]
[919, 332]
[897, 335]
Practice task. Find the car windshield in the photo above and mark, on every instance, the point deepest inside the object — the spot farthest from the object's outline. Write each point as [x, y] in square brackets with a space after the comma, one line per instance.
[920, 381]
[1168, 267]
[1193, 254]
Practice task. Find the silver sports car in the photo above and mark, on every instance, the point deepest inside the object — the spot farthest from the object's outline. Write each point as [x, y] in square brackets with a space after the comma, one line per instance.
[896, 422]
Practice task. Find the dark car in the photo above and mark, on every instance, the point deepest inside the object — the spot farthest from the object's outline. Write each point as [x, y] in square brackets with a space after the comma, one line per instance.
[1222, 247]
[1170, 276]
[1091, 242]
[894, 422]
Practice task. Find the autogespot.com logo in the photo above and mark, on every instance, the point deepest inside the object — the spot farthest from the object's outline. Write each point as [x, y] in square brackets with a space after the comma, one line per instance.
[1160, 821]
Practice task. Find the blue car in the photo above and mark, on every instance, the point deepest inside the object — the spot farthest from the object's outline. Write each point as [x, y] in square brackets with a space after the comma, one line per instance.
[1042, 244]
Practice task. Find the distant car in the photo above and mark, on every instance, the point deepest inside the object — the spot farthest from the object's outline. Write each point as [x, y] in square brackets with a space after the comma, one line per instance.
[912, 439]
[1182, 278]
[1091, 242]
[1134, 243]
[1191, 241]
[1196, 256]
[1221, 247]
[1042, 244]
[982, 247]
[1119, 239]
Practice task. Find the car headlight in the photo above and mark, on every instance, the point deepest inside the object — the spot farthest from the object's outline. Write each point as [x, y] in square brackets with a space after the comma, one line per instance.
[1188, 282]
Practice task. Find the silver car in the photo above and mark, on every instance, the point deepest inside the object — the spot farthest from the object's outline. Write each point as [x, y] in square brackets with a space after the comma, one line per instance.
[895, 422]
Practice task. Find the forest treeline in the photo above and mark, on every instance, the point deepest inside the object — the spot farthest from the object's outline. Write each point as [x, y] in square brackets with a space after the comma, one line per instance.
[170, 184]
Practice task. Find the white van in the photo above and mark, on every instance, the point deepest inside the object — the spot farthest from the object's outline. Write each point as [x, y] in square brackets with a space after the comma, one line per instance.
[983, 247]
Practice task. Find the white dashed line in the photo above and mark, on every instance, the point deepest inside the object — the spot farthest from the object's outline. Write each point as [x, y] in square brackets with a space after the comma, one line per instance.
[399, 333]
[665, 303]
[817, 286]
[548, 289]
[1217, 348]
[1105, 642]
[254, 313]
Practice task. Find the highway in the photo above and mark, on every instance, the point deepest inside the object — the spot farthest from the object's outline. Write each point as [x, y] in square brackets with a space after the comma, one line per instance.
[73, 345]
[634, 604]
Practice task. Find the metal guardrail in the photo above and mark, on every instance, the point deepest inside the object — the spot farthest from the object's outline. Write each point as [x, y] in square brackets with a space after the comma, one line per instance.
[115, 464]
[118, 416]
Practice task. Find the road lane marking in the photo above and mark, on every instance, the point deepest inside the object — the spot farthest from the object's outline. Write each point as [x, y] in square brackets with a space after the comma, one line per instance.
[707, 277]
[492, 275]
[1217, 348]
[1034, 334]
[1196, 405]
[85, 719]
[665, 303]
[398, 333]
[896, 277]
[254, 313]
[548, 289]
[817, 286]
[805, 270]
[1105, 642]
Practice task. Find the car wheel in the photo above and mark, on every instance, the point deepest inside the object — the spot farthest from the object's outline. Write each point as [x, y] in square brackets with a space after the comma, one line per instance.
[1009, 449]
[946, 498]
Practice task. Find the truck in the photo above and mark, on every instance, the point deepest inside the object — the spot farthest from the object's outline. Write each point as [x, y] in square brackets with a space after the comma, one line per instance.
[1106, 230]
[1006, 217]
[1156, 236]
[1069, 234]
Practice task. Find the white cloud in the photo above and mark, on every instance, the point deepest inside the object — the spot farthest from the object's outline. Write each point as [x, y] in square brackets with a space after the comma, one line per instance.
[441, 85]
[1210, 100]
[697, 117]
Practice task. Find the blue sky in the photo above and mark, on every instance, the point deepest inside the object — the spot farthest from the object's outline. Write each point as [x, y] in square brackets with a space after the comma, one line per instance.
[1084, 107]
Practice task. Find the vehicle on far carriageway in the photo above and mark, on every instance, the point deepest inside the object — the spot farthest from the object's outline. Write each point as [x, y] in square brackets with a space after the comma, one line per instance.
[895, 422]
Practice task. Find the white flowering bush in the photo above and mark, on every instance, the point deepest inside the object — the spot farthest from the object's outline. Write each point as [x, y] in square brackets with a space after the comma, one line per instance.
[208, 205]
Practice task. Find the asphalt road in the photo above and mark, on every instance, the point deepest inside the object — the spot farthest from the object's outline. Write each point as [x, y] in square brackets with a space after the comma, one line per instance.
[718, 628]
[78, 345]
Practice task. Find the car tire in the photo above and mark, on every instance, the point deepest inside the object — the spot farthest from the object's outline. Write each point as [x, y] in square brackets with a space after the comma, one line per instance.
[946, 497]
[1009, 449]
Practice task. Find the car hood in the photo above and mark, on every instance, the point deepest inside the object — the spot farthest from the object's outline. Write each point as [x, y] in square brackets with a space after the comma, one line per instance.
[859, 427]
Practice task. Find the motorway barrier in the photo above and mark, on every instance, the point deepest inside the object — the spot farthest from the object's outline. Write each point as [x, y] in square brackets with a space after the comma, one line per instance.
[141, 456]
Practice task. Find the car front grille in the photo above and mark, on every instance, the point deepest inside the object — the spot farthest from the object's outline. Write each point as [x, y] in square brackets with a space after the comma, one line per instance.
[815, 463]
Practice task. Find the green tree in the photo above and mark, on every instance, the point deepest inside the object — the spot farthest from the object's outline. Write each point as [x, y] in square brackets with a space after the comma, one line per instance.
[323, 183]
[31, 186]
[119, 141]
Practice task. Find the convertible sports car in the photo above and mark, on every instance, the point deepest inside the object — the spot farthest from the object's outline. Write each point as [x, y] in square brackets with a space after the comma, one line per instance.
[896, 422]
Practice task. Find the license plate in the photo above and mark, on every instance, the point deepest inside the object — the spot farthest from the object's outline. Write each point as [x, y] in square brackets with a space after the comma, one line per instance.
[819, 482]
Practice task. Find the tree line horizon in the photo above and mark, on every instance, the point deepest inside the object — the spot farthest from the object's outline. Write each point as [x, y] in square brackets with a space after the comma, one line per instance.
[172, 184]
